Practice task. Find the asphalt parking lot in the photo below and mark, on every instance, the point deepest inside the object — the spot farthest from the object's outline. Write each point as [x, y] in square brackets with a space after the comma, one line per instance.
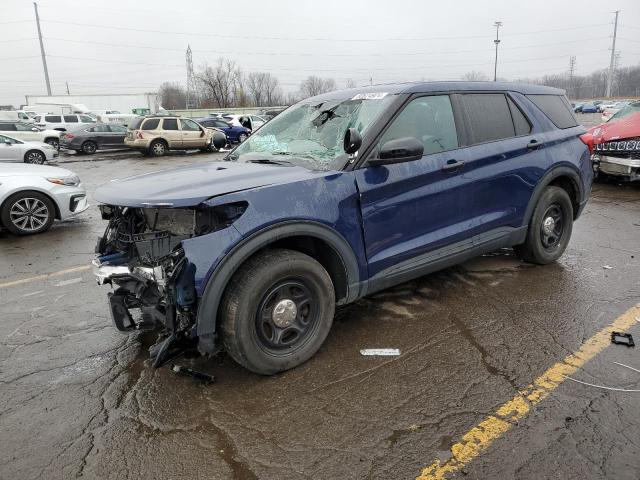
[479, 390]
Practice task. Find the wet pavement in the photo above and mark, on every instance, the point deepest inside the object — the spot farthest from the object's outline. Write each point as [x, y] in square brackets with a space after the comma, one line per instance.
[78, 399]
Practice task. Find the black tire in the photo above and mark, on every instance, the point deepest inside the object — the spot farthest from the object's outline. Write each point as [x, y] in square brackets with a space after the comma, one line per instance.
[42, 209]
[35, 156]
[250, 333]
[158, 148]
[53, 142]
[242, 137]
[89, 147]
[549, 229]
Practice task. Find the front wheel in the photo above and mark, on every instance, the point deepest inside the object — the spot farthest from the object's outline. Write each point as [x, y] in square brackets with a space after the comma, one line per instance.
[549, 229]
[89, 147]
[277, 311]
[158, 148]
[26, 213]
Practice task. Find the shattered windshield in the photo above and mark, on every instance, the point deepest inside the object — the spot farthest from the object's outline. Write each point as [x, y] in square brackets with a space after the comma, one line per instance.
[626, 111]
[311, 135]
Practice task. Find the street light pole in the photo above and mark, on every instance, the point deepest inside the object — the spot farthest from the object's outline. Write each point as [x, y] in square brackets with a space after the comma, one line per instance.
[496, 41]
[44, 58]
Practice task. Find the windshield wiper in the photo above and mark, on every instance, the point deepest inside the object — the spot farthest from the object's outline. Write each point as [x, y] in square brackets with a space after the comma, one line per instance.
[269, 161]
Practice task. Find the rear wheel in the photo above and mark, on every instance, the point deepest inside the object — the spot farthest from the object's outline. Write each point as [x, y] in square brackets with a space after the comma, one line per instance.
[158, 148]
[549, 229]
[26, 213]
[277, 311]
[34, 156]
[89, 147]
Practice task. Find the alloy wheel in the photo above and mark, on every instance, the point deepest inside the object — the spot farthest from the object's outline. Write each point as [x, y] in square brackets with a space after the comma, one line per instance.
[29, 214]
[35, 157]
[552, 226]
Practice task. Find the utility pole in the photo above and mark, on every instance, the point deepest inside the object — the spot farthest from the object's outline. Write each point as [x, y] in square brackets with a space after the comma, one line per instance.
[572, 69]
[613, 54]
[44, 58]
[67, 88]
[496, 41]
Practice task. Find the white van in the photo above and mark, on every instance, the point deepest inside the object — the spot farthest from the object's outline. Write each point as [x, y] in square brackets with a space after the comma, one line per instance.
[15, 116]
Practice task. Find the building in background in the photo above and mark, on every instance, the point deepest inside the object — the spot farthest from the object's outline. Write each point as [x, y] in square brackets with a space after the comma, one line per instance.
[121, 102]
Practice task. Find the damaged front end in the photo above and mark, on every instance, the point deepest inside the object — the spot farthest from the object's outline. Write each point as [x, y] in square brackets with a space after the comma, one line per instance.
[141, 256]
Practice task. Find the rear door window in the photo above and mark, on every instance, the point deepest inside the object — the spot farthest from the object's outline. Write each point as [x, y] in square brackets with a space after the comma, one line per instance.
[53, 118]
[488, 117]
[7, 127]
[71, 119]
[170, 124]
[557, 108]
[428, 119]
[151, 124]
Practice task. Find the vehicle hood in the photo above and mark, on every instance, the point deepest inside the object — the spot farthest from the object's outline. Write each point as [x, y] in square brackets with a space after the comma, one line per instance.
[23, 169]
[626, 127]
[192, 185]
[51, 133]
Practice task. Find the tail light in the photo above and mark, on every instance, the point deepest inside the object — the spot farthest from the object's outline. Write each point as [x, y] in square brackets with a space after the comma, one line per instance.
[587, 139]
[68, 135]
[139, 134]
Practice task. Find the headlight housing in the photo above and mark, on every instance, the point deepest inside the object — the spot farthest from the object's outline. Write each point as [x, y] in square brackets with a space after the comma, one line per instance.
[72, 181]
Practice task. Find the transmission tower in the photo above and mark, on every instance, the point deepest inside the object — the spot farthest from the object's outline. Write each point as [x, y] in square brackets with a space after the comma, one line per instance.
[191, 81]
[572, 69]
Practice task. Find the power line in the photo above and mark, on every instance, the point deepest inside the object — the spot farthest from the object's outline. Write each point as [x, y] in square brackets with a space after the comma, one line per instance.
[255, 37]
[308, 54]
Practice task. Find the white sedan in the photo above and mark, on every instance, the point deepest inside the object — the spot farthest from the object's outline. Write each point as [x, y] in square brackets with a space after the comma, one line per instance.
[33, 196]
[14, 150]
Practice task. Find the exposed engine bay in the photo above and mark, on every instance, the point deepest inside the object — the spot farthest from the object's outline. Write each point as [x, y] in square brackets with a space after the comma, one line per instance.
[141, 256]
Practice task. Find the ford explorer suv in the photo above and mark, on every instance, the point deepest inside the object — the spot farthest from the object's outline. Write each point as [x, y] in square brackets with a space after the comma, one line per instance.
[157, 134]
[340, 196]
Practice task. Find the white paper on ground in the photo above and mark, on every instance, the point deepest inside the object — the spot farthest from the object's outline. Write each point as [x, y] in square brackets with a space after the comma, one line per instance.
[382, 352]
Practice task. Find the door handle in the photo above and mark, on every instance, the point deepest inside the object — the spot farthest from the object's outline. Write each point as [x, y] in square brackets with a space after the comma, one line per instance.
[533, 144]
[452, 165]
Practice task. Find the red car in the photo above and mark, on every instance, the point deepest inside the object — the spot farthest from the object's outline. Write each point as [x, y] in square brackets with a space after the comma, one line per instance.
[616, 144]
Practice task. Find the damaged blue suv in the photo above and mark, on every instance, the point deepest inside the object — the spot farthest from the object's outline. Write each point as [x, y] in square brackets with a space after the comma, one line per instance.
[341, 195]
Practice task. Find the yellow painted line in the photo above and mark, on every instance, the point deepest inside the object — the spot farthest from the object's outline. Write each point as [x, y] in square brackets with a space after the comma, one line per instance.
[480, 437]
[44, 276]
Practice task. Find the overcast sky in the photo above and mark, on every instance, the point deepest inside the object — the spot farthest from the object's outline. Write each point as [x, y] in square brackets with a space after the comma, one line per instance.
[125, 46]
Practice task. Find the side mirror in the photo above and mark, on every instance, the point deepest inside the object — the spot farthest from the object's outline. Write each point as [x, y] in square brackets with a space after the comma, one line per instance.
[397, 151]
[34, 129]
[352, 141]
[219, 139]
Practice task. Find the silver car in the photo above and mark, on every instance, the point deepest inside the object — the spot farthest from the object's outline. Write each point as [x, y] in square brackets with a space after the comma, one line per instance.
[33, 196]
[14, 150]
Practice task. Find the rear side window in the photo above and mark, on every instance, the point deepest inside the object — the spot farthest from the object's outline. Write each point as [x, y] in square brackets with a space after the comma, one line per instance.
[488, 116]
[71, 119]
[520, 122]
[170, 124]
[557, 108]
[87, 119]
[53, 118]
[151, 124]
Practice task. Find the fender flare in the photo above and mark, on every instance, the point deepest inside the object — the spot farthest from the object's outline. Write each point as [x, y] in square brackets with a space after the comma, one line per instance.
[547, 178]
[219, 278]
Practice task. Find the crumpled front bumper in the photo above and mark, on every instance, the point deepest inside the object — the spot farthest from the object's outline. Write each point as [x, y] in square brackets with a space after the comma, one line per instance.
[617, 166]
[105, 271]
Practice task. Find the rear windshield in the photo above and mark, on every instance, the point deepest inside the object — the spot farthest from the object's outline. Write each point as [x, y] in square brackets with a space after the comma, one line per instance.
[135, 124]
[557, 108]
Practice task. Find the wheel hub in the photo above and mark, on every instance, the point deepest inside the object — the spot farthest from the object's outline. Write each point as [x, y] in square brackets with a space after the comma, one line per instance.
[549, 225]
[284, 313]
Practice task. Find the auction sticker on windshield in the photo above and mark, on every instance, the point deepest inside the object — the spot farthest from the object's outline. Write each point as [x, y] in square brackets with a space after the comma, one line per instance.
[370, 96]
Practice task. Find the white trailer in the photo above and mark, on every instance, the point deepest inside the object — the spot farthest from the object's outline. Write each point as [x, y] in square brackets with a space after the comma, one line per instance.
[121, 102]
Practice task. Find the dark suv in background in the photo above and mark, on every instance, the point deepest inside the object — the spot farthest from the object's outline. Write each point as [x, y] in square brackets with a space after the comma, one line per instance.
[339, 196]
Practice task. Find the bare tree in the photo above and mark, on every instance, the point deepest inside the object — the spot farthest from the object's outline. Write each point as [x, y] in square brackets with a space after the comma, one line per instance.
[315, 86]
[172, 95]
[263, 89]
[474, 76]
[350, 83]
[221, 84]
